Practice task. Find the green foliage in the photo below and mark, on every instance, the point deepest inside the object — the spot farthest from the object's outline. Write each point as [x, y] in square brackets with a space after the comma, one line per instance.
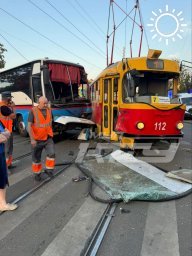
[2, 61]
[185, 78]
[185, 81]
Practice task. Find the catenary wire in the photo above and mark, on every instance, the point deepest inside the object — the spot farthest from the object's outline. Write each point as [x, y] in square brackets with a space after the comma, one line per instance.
[142, 21]
[51, 4]
[14, 47]
[47, 38]
[84, 17]
[26, 42]
[60, 24]
[91, 19]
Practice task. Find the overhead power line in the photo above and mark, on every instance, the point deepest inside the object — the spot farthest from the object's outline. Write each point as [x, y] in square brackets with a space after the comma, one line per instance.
[142, 20]
[59, 23]
[14, 48]
[95, 23]
[47, 38]
[85, 17]
[73, 25]
[25, 42]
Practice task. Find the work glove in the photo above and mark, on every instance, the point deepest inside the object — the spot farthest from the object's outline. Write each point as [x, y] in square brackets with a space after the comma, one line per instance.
[6, 133]
[3, 139]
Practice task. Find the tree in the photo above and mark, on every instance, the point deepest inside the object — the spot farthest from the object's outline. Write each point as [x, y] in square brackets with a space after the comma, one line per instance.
[2, 61]
[185, 77]
[185, 80]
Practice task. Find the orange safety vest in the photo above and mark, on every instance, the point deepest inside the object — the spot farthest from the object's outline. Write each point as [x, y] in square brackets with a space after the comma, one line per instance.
[41, 127]
[7, 121]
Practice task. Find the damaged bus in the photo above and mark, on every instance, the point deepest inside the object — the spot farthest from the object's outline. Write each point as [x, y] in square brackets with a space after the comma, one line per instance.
[59, 81]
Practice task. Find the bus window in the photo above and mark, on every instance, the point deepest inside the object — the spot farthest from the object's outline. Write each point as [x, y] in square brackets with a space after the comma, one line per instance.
[16, 80]
[115, 91]
[49, 92]
[37, 89]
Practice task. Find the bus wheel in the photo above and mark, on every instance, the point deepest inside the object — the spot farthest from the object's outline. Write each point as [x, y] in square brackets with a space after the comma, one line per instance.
[21, 127]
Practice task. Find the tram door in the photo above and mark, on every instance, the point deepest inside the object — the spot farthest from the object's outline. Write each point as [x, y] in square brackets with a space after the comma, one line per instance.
[110, 107]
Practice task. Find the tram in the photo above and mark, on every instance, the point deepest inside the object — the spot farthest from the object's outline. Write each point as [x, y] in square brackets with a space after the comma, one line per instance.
[130, 103]
[59, 81]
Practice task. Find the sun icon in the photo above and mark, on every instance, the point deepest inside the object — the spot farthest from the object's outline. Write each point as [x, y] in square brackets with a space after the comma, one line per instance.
[176, 18]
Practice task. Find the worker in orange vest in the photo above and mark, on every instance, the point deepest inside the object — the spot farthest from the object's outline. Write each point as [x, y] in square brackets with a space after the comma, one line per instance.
[41, 134]
[8, 123]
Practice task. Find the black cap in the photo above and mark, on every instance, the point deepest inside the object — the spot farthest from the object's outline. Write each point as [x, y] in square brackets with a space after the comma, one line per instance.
[5, 111]
[6, 94]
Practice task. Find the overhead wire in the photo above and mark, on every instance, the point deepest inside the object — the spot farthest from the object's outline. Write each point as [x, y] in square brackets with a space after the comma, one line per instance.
[25, 42]
[116, 27]
[59, 23]
[107, 41]
[113, 41]
[47, 38]
[73, 25]
[82, 15]
[139, 24]
[124, 51]
[142, 21]
[91, 19]
[14, 47]
[133, 26]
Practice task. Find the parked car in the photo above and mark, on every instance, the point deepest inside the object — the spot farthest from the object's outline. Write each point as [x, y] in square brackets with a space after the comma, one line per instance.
[186, 98]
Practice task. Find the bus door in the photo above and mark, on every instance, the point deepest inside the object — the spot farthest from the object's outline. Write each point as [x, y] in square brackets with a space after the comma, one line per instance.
[110, 107]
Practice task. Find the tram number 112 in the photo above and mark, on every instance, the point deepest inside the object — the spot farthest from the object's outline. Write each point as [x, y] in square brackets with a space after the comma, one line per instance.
[159, 126]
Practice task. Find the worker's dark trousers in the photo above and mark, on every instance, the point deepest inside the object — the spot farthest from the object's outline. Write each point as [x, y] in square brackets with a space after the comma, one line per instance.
[49, 147]
[9, 150]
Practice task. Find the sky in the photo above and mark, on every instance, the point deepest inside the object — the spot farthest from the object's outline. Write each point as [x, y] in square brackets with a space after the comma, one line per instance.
[76, 30]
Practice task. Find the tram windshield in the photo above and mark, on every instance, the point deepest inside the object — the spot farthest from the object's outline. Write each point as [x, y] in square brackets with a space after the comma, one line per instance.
[147, 84]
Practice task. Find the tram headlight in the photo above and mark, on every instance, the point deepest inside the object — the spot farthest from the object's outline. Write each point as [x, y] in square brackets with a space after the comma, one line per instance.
[140, 125]
[179, 126]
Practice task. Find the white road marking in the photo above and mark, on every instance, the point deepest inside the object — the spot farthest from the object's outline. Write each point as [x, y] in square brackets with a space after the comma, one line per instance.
[72, 239]
[34, 202]
[160, 235]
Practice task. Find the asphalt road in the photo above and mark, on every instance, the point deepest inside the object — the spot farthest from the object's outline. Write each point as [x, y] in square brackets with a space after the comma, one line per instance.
[59, 218]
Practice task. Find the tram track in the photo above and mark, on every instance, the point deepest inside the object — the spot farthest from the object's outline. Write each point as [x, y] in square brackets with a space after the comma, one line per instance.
[22, 156]
[39, 185]
[100, 231]
[21, 142]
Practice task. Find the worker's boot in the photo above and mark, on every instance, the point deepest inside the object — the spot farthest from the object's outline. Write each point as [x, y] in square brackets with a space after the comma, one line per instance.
[49, 173]
[38, 177]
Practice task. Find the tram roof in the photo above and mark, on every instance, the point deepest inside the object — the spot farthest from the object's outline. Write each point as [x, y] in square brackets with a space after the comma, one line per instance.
[140, 64]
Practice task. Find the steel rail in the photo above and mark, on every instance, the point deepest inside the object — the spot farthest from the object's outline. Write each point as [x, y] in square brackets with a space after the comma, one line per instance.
[100, 231]
[22, 156]
[38, 186]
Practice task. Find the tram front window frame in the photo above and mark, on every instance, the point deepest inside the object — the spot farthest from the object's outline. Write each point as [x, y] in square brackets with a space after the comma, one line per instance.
[146, 84]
